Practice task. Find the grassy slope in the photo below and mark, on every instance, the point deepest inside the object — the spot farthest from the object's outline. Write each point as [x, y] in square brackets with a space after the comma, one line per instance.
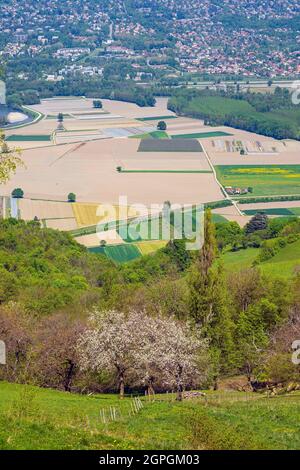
[283, 264]
[33, 418]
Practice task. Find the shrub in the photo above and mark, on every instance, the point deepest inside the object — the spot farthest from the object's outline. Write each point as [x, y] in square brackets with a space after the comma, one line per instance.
[162, 126]
[71, 197]
[97, 104]
[17, 193]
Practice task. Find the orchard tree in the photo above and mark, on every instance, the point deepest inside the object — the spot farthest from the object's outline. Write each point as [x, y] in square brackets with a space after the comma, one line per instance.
[146, 347]
[111, 343]
[178, 353]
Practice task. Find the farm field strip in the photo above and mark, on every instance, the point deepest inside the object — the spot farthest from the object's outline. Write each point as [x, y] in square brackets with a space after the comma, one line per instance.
[265, 180]
[30, 208]
[272, 211]
[86, 214]
[28, 138]
[156, 118]
[150, 135]
[170, 145]
[201, 135]
[164, 171]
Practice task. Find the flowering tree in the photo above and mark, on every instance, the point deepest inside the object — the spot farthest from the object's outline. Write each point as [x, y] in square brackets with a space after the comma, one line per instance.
[111, 342]
[179, 354]
[149, 346]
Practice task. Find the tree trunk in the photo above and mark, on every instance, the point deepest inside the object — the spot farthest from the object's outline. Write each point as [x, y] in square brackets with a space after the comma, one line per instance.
[69, 376]
[150, 388]
[121, 385]
[216, 386]
[179, 385]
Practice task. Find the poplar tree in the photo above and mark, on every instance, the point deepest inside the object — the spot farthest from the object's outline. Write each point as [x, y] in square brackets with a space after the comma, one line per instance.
[209, 305]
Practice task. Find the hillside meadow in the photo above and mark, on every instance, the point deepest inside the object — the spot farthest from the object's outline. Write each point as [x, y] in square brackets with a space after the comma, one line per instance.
[283, 264]
[33, 418]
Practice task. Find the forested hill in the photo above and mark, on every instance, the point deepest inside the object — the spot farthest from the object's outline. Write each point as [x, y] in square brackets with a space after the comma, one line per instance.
[46, 270]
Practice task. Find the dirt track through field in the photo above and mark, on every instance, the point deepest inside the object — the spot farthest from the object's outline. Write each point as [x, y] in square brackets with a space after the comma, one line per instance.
[82, 144]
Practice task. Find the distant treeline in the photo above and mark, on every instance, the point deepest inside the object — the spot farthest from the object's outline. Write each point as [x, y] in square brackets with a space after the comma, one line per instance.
[272, 115]
[90, 87]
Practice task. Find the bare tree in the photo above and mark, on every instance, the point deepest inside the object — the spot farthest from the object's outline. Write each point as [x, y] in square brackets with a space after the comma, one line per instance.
[55, 351]
[15, 331]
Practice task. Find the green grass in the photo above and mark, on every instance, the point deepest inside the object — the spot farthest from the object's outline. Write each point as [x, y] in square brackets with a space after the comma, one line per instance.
[285, 262]
[281, 265]
[201, 135]
[122, 253]
[156, 118]
[151, 135]
[271, 211]
[148, 247]
[295, 210]
[238, 260]
[33, 418]
[218, 219]
[266, 180]
[164, 171]
[28, 138]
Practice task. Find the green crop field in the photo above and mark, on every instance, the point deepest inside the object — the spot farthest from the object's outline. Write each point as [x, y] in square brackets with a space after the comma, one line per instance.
[122, 253]
[28, 138]
[118, 254]
[218, 219]
[156, 118]
[147, 236]
[271, 211]
[150, 135]
[266, 180]
[148, 247]
[40, 419]
[201, 135]
[164, 171]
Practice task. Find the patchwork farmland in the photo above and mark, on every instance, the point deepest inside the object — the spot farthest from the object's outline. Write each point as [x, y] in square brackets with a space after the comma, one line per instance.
[118, 151]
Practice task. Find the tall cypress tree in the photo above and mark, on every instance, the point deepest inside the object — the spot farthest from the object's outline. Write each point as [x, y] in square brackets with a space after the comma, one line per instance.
[209, 306]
